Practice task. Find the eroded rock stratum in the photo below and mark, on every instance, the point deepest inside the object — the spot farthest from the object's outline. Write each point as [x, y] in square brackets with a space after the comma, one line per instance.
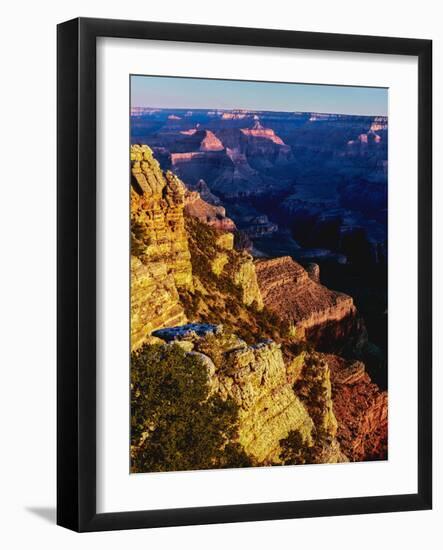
[253, 323]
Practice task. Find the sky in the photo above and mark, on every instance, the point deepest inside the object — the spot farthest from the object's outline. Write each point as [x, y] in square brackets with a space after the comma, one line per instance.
[199, 93]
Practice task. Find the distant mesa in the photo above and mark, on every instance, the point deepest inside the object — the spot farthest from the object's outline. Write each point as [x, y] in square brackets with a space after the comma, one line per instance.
[190, 132]
[259, 131]
[210, 142]
[234, 116]
[379, 123]
[143, 111]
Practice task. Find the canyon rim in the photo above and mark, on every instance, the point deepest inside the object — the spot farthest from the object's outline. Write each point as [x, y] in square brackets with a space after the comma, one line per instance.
[258, 270]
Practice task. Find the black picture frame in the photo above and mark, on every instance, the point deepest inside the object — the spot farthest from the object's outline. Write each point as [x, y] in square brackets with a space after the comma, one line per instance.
[76, 280]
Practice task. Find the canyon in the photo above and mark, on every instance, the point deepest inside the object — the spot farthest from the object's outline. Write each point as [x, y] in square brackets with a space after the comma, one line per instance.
[312, 186]
[307, 171]
[267, 329]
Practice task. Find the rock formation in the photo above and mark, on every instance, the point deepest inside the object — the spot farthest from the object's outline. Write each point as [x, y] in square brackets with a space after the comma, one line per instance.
[361, 410]
[257, 226]
[205, 193]
[157, 203]
[313, 271]
[211, 143]
[258, 131]
[161, 262]
[245, 277]
[191, 287]
[208, 213]
[160, 258]
[289, 291]
[255, 377]
[155, 301]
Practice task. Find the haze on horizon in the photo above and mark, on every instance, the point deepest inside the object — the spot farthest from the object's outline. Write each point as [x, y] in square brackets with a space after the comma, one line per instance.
[165, 92]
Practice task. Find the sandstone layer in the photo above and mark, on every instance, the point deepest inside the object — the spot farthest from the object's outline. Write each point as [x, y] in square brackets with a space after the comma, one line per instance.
[245, 277]
[160, 258]
[208, 213]
[157, 203]
[289, 291]
[361, 410]
[258, 131]
[255, 377]
[155, 301]
[161, 261]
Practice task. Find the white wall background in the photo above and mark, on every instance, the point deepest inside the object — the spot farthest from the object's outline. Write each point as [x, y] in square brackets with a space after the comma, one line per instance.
[27, 290]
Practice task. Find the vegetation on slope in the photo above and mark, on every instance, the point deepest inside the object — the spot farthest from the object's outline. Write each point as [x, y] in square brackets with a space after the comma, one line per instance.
[313, 388]
[176, 424]
[216, 299]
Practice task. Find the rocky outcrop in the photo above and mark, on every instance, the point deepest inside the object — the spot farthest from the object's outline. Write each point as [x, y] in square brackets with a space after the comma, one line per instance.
[157, 222]
[269, 409]
[205, 193]
[258, 131]
[288, 291]
[361, 410]
[210, 142]
[160, 258]
[245, 277]
[255, 377]
[208, 213]
[257, 226]
[313, 271]
[155, 301]
[161, 263]
[187, 332]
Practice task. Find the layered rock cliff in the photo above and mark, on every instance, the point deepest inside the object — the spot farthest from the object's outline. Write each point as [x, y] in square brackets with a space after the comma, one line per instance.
[178, 241]
[248, 321]
[155, 301]
[258, 131]
[256, 378]
[361, 410]
[208, 213]
[294, 295]
[157, 222]
[160, 258]
[211, 143]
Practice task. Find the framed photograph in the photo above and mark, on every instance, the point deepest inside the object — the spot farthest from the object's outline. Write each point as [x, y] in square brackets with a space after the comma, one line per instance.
[244, 274]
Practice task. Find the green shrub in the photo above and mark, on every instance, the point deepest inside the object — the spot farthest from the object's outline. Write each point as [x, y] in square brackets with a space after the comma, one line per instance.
[175, 424]
[311, 390]
[295, 450]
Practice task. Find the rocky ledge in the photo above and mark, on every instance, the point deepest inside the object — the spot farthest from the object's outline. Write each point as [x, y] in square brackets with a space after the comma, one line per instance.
[256, 378]
[207, 213]
[258, 131]
[289, 291]
[361, 409]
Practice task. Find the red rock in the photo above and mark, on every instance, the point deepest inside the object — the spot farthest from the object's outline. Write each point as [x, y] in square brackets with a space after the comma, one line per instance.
[211, 142]
[208, 213]
[361, 409]
[259, 131]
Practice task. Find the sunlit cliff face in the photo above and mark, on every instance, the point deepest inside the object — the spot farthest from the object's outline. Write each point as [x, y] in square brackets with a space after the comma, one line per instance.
[271, 320]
